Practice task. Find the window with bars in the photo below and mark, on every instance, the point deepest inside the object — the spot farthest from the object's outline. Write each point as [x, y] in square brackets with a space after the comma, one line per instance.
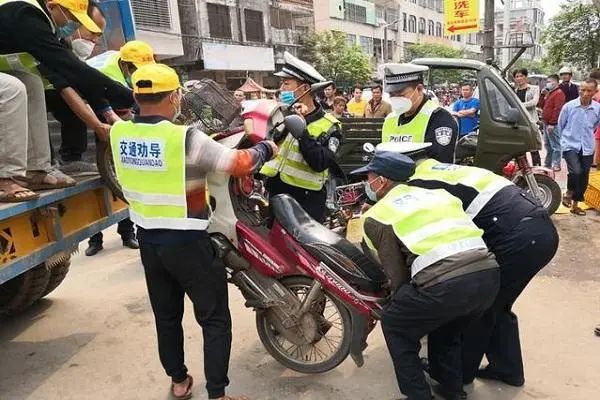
[430, 28]
[379, 12]
[438, 29]
[255, 31]
[422, 25]
[423, 3]
[350, 39]
[412, 24]
[281, 19]
[152, 13]
[431, 4]
[404, 22]
[355, 13]
[439, 6]
[367, 45]
[219, 21]
[392, 15]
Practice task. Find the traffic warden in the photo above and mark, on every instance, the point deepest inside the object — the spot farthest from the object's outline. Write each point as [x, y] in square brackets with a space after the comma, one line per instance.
[302, 166]
[416, 118]
[522, 237]
[162, 169]
[440, 270]
[120, 65]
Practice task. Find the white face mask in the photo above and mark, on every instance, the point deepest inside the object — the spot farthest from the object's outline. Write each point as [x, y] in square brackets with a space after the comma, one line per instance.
[400, 105]
[83, 48]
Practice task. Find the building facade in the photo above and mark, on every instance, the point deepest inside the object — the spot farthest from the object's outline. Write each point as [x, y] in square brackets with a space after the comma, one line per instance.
[157, 22]
[525, 24]
[406, 22]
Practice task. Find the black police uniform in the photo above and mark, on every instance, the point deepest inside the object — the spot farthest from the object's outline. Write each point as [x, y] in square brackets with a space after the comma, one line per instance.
[440, 122]
[523, 238]
[319, 154]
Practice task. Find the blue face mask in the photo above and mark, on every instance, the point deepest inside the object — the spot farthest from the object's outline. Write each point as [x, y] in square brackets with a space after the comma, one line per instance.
[67, 29]
[287, 97]
[371, 194]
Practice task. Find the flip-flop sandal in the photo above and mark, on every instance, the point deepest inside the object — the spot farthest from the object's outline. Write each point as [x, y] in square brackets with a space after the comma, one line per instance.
[37, 181]
[578, 211]
[567, 200]
[9, 192]
[188, 390]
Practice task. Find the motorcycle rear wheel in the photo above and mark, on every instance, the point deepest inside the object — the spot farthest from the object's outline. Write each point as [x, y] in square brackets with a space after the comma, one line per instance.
[307, 359]
[550, 192]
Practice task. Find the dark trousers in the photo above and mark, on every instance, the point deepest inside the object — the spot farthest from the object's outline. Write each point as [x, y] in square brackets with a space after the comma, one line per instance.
[442, 309]
[579, 167]
[124, 228]
[173, 271]
[73, 131]
[313, 202]
[529, 247]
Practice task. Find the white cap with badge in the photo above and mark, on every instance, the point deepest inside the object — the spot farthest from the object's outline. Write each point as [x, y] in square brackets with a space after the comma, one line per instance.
[295, 68]
[397, 76]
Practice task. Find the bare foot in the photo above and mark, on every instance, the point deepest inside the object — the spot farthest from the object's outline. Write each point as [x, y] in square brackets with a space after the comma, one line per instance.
[183, 389]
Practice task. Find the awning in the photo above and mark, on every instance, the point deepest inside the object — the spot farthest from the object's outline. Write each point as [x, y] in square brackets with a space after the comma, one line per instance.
[250, 86]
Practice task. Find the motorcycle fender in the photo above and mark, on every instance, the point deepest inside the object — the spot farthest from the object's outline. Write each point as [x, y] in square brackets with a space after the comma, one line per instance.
[358, 342]
[543, 171]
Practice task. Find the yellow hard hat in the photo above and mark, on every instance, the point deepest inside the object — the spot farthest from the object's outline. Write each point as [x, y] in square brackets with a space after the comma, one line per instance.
[155, 78]
[79, 10]
[137, 52]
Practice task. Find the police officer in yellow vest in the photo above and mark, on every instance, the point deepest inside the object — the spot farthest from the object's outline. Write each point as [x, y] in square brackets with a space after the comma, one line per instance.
[301, 168]
[440, 269]
[162, 169]
[520, 234]
[414, 117]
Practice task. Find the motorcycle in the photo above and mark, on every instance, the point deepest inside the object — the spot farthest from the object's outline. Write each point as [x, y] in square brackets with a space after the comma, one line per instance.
[537, 180]
[316, 296]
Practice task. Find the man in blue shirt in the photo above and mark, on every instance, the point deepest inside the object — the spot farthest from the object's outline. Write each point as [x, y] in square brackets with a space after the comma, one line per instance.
[466, 110]
[577, 122]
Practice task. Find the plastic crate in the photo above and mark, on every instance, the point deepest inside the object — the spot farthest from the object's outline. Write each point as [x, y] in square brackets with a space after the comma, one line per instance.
[592, 194]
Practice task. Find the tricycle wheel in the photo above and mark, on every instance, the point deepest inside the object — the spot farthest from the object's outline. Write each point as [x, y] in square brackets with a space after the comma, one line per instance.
[550, 192]
[22, 291]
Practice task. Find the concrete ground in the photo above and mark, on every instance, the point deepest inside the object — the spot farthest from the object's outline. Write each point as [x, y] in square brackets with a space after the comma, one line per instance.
[93, 338]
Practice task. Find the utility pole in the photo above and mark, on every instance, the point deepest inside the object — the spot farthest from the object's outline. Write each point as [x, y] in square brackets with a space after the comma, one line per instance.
[506, 52]
[488, 32]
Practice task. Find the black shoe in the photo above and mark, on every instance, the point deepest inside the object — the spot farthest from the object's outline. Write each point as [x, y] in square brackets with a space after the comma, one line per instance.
[488, 373]
[131, 243]
[448, 394]
[93, 249]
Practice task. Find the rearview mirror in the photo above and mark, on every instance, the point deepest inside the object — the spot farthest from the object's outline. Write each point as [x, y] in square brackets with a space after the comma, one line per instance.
[295, 125]
[512, 115]
[368, 148]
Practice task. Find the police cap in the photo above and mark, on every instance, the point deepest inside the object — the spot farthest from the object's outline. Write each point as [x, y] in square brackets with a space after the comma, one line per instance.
[295, 68]
[398, 76]
[389, 164]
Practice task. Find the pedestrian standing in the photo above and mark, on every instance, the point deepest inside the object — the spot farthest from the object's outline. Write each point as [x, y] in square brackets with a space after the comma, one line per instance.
[377, 107]
[162, 168]
[356, 106]
[329, 93]
[466, 111]
[551, 104]
[339, 107]
[577, 123]
[595, 74]
[530, 97]
[570, 89]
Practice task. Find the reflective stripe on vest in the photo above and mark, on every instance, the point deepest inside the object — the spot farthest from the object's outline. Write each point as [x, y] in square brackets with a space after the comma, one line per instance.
[485, 182]
[25, 61]
[108, 64]
[291, 165]
[430, 223]
[150, 165]
[414, 131]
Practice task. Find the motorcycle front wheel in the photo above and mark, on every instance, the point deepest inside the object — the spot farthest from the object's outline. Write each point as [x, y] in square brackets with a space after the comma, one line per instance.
[310, 358]
[550, 193]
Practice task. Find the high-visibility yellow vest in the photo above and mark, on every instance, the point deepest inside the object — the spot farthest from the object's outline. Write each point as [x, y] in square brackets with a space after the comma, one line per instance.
[24, 61]
[150, 165]
[291, 165]
[108, 64]
[430, 223]
[485, 182]
[414, 131]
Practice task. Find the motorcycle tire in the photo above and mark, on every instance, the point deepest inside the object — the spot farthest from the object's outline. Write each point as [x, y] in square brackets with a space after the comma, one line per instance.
[106, 168]
[550, 190]
[266, 334]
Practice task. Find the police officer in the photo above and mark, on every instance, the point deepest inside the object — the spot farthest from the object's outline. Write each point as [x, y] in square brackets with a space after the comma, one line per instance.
[522, 237]
[162, 168]
[440, 269]
[416, 118]
[120, 65]
[301, 168]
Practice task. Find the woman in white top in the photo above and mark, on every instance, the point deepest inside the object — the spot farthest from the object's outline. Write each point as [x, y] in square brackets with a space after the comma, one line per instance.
[529, 96]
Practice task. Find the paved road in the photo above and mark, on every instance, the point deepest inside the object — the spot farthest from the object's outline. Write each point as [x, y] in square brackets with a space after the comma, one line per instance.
[93, 338]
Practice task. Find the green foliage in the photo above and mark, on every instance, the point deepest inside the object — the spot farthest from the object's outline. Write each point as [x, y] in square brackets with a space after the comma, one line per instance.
[439, 76]
[573, 36]
[544, 67]
[331, 55]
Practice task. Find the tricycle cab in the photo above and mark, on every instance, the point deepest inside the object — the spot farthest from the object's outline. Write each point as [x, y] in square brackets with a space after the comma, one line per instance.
[505, 128]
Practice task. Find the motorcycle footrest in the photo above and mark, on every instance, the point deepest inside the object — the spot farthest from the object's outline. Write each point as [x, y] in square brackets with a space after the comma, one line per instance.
[261, 303]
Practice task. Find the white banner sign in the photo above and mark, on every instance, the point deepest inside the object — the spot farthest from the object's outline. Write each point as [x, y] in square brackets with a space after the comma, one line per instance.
[230, 57]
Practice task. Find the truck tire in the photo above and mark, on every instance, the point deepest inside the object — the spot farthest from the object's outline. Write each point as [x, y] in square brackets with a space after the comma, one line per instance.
[57, 275]
[23, 290]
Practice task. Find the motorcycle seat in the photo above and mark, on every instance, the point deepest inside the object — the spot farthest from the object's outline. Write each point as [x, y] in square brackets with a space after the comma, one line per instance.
[335, 251]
